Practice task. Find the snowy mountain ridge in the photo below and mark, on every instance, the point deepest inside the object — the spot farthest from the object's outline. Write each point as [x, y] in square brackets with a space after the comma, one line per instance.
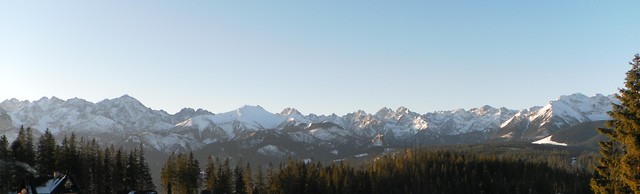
[566, 111]
[127, 119]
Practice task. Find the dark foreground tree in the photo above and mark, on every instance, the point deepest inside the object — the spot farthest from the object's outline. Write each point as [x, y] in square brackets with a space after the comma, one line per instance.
[46, 154]
[145, 182]
[619, 166]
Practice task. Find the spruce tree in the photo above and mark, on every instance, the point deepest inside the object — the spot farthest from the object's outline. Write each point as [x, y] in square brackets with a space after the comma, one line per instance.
[224, 183]
[108, 169]
[145, 182]
[5, 170]
[239, 181]
[259, 186]
[30, 152]
[118, 173]
[22, 147]
[131, 172]
[619, 168]
[46, 154]
[193, 172]
[168, 174]
[86, 166]
[68, 156]
[248, 178]
[210, 177]
[97, 167]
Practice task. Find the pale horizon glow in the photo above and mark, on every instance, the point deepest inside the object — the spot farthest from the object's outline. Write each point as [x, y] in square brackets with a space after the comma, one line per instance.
[317, 57]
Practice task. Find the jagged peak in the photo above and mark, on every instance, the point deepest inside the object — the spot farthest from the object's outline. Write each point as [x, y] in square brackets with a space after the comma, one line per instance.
[384, 112]
[48, 101]
[360, 113]
[247, 111]
[251, 108]
[403, 110]
[77, 102]
[13, 100]
[13, 103]
[191, 111]
[43, 99]
[290, 111]
[460, 110]
[124, 99]
[574, 95]
[186, 110]
[486, 109]
[56, 98]
[579, 99]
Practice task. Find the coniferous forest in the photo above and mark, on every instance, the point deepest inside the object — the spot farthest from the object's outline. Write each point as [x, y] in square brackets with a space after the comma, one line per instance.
[501, 168]
[460, 169]
[95, 169]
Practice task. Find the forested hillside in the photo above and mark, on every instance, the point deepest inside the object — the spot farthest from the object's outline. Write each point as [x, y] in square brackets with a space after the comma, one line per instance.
[96, 168]
[499, 168]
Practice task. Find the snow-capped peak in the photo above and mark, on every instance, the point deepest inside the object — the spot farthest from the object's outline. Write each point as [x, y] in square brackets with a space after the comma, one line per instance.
[124, 100]
[383, 112]
[251, 111]
[402, 110]
[254, 117]
[578, 107]
[289, 112]
[13, 104]
[563, 112]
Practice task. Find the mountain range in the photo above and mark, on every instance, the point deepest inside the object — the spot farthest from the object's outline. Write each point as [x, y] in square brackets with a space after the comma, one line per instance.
[251, 131]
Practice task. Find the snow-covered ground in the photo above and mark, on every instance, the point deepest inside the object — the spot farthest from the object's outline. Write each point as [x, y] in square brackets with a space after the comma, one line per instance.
[547, 140]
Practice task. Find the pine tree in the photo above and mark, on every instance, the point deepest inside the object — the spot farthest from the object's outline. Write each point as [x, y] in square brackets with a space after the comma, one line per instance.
[239, 182]
[97, 167]
[5, 170]
[69, 157]
[248, 178]
[118, 173]
[193, 172]
[272, 178]
[85, 167]
[22, 147]
[145, 182]
[181, 177]
[210, 177]
[23, 153]
[168, 174]
[619, 168]
[46, 154]
[259, 186]
[108, 170]
[224, 183]
[30, 152]
[131, 172]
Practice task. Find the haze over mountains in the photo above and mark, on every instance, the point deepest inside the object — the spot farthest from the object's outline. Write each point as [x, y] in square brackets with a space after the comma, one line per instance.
[253, 130]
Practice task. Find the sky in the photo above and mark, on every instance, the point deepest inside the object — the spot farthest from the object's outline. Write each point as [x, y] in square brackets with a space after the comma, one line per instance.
[319, 57]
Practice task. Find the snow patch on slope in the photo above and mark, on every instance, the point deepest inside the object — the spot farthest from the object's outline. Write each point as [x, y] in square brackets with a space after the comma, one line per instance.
[547, 140]
[272, 150]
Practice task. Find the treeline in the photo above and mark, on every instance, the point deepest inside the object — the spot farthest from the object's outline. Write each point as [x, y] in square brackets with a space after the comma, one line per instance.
[94, 168]
[181, 174]
[414, 171]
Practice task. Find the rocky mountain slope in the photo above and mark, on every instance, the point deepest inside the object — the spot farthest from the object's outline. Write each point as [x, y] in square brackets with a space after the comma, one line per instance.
[253, 130]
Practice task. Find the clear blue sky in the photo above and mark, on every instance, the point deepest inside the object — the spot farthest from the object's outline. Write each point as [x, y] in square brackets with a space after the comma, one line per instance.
[317, 56]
